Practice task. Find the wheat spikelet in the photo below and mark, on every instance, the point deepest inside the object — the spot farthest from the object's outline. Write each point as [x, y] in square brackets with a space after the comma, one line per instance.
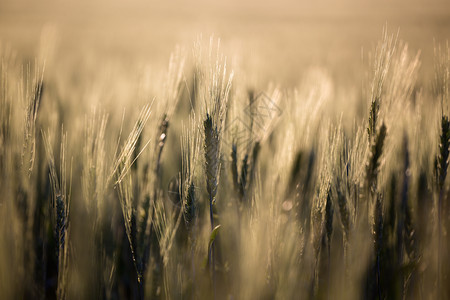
[190, 148]
[123, 183]
[234, 167]
[243, 178]
[215, 92]
[443, 155]
[94, 173]
[373, 166]
[383, 58]
[212, 156]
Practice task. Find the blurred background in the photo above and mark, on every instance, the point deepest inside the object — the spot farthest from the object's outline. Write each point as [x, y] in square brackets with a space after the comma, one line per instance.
[105, 58]
[277, 40]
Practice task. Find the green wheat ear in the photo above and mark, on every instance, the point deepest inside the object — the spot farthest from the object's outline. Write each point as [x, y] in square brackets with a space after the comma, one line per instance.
[190, 207]
[243, 177]
[234, 167]
[343, 211]
[375, 156]
[442, 159]
[329, 211]
[211, 156]
[373, 116]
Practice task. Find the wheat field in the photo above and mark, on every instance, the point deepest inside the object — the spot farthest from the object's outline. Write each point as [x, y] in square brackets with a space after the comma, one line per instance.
[224, 151]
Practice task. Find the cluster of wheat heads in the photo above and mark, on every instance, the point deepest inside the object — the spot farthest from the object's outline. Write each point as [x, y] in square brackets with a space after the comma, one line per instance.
[219, 190]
